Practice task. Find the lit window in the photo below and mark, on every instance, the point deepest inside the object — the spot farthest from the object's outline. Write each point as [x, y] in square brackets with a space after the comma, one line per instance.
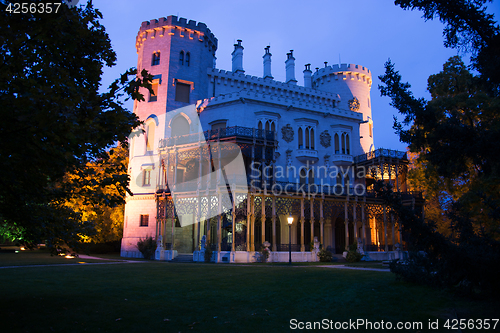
[146, 179]
[156, 59]
[182, 91]
[153, 96]
[370, 127]
[150, 135]
[144, 220]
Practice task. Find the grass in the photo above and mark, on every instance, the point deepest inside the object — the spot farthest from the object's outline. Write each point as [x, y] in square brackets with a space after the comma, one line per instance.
[169, 297]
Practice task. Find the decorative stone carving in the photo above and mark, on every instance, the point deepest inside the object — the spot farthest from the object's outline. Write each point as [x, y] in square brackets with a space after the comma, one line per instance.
[289, 157]
[287, 133]
[325, 139]
[354, 104]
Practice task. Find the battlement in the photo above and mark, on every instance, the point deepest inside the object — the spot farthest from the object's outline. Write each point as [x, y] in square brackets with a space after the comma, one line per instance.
[286, 101]
[282, 88]
[342, 71]
[169, 25]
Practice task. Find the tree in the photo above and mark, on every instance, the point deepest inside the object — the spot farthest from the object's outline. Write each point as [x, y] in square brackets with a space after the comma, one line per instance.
[456, 135]
[469, 28]
[96, 192]
[54, 119]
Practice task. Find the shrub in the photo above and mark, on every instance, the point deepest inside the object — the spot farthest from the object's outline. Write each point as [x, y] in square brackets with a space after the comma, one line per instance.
[208, 253]
[353, 256]
[147, 247]
[325, 256]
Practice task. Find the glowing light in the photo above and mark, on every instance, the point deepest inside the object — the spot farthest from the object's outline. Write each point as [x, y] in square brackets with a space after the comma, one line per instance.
[22, 248]
[82, 262]
[69, 257]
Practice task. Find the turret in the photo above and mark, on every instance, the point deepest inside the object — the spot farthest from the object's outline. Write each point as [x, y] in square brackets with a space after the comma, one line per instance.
[353, 84]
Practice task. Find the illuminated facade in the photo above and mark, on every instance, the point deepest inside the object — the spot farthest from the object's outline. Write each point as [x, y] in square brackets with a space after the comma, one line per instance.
[305, 151]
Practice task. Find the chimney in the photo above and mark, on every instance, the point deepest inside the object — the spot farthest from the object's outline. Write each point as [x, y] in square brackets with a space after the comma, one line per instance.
[308, 76]
[290, 68]
[267, 63]
[238, 57]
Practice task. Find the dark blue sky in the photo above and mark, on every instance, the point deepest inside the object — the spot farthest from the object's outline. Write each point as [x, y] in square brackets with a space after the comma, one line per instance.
[363, 32]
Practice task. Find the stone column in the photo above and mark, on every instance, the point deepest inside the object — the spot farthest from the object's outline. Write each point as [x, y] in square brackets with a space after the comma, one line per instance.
[249, 219]
[386, 247]
[363, 221]
[321, 224]
[355, 227]
[393, 232]
[233, 225]
[346, 221]
[252, 222]
[311, 213]
[302, 221]
[263, 220]
[274, 224]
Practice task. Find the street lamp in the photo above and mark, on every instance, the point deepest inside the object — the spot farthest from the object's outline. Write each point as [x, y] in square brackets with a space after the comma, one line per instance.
[290, 221]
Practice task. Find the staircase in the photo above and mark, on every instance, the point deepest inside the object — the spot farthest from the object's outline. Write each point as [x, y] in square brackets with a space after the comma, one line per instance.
[183, 257]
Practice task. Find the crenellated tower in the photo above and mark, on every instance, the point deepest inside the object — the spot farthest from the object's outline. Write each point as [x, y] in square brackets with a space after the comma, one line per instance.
[177, 52]
[353, 84]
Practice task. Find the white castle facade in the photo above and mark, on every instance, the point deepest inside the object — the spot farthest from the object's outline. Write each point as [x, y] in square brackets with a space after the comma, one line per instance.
[225, 158]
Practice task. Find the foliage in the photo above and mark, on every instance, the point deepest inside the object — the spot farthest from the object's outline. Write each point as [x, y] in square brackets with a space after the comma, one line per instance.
[264, 254]
[208, 253]
[147, 247]
[55, 121]
[469, 28]
[353, 255]
[465, 261]
[96, 180]
[325, 256]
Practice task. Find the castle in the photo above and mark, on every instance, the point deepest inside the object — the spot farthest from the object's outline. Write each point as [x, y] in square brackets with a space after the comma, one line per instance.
[225, 160]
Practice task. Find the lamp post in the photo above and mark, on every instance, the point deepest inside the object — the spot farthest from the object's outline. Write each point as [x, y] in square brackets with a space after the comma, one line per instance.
[290, 221]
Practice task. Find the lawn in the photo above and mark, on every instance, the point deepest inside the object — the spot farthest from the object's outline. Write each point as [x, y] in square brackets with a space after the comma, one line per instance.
[182, 297]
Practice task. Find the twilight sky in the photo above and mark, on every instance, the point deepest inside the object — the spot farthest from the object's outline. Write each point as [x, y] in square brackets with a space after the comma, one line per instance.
[363, 32]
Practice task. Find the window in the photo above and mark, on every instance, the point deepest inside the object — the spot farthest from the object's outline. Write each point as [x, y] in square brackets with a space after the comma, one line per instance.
[156, 59]
[306, 136]
[188, 59]
[146, 178]
[150, 135]
[337, 147]
[347, 144]
[144, 221]
[153, 96]
[311, 176]
[303, 176]
[181, 58]
[219, 125]
[179, 126]
[182, 91]
[343, 143]
[370, 128]
[260, 125]
[301, 139]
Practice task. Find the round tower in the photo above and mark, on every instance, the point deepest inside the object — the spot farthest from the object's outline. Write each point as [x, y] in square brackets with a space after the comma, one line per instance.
[177, 52]
[353, 84]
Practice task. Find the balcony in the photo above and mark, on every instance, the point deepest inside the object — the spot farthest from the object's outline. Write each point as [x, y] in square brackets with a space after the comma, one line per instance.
[341, 158]
[223, 133]
[307, 155]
